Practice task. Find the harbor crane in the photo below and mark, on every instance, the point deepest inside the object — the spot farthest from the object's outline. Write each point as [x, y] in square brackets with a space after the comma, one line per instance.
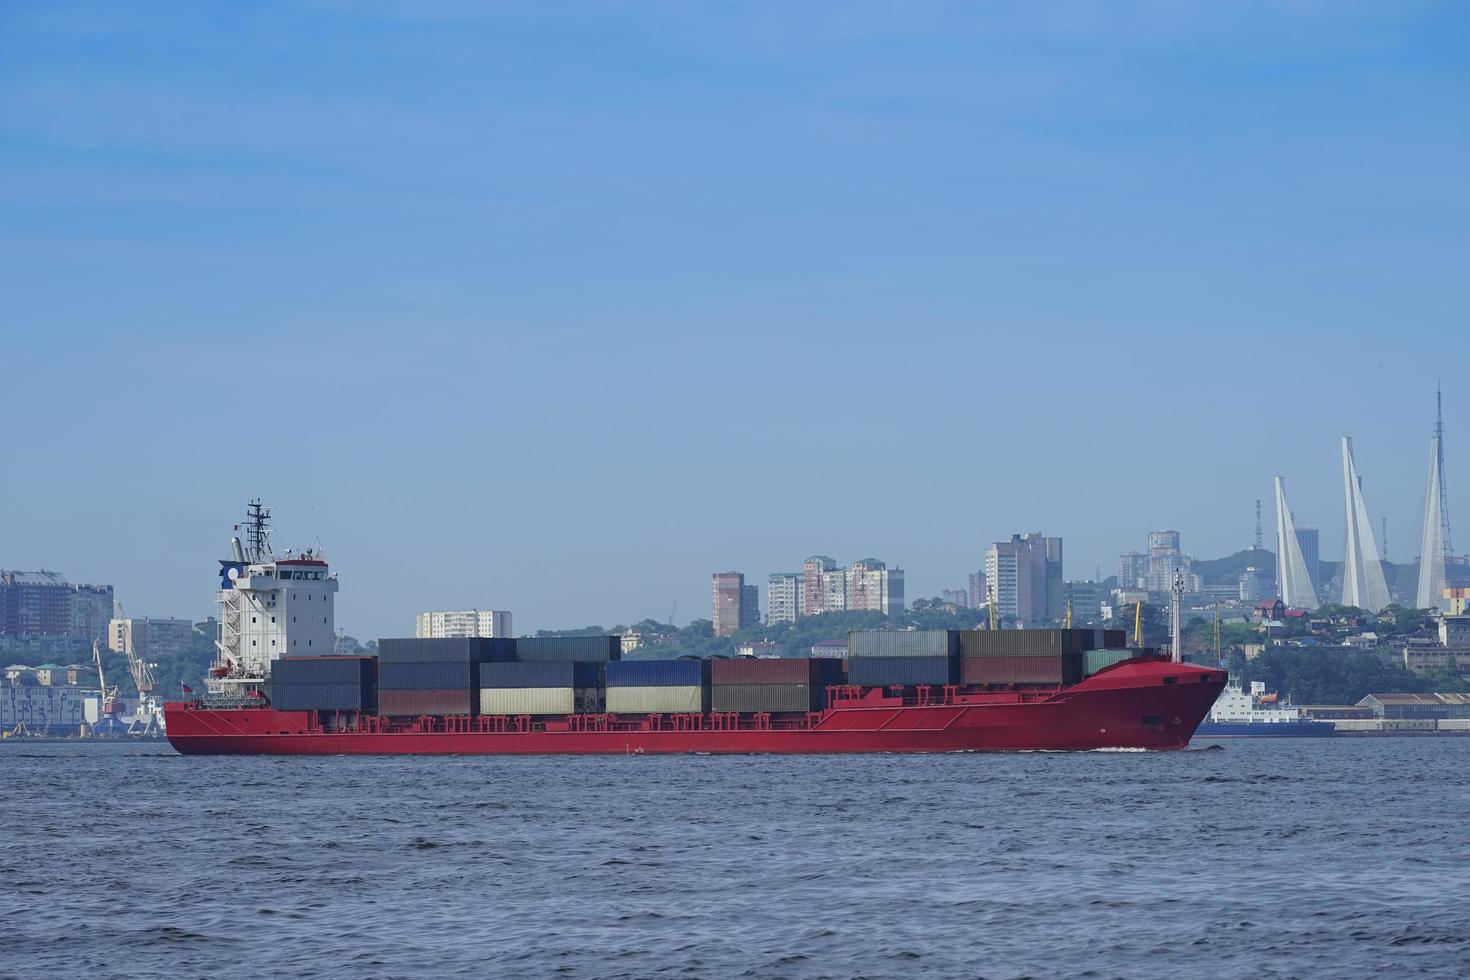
[109, 694]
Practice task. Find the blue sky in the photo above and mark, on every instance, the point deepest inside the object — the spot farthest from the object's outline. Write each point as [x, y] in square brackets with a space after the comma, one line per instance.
[562, 307]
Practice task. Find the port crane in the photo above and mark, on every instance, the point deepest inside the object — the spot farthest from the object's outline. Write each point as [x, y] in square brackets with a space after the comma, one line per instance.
[145, 721]
[109, 693]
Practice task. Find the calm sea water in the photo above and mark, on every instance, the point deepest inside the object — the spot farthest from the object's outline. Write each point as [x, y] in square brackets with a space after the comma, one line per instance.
[1288, 858]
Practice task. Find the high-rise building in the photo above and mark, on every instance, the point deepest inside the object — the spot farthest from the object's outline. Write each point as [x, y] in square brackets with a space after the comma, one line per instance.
[834, 590]
[1248, 589]
[873, 586]
[735, 605]
[1162, 544]
[34, 604]
[817, 586]
[463, 622]
[750, 606]
[1025, 574]
[1085, 599]
[1163, 570]
[1132, 570]
[91, 611]
[151, 637]
[783, 597]
[979, 594]
[959, 598]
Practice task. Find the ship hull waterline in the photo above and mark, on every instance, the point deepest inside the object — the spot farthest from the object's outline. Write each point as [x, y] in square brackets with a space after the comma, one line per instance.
[1152, 706]
[1240, 729]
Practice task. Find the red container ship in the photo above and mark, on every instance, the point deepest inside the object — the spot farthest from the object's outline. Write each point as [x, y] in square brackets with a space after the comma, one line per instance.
[272, 692]
[1144, 703]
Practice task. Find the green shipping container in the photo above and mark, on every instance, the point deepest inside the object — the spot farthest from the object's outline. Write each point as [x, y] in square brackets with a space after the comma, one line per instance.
[1027, 643]
[1095, 660]
[765, 697]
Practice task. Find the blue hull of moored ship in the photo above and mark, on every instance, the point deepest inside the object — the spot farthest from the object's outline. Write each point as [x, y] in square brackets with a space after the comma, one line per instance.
[1241, 729]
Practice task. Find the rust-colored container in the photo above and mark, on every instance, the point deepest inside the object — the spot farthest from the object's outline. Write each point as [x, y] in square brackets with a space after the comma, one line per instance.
[1063, 669]
[752, 670]
[410, 703]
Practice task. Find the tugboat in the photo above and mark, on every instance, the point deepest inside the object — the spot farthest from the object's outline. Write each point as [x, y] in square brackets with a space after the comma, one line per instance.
[1238, 714]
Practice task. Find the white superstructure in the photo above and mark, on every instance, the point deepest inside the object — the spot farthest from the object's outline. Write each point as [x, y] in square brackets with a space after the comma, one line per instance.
[269, 608]
[1256, 707]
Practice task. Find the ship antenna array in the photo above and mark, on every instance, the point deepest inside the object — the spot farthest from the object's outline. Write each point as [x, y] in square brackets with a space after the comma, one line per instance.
[258, 532]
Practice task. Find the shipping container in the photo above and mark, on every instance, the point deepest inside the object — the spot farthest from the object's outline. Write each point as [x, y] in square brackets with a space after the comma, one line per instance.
[593, 648]
[752, 670]
[539, 700]
[442, 675]
[1115, 639]
[323, 697]
[454, 649]
[1021, 670]
[883, 671]
[323, 670]
[401, 703]
[767, 697]
[549, 673]
[903, 643]
[1095, 660]
[657, 673]
[658, 699]
[1026, 643]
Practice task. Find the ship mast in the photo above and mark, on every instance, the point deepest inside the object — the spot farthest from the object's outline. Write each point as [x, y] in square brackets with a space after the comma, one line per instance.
[1175, 638]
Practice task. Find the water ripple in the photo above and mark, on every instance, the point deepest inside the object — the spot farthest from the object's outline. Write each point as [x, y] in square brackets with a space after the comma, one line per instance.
[1268, 859]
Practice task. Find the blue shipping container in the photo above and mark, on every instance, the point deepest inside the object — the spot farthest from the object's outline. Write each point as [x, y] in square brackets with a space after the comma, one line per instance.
[540, 648]
[456, 649]
[428, 676]
[323, 697]
[657, 673]
[323, 670]
[546, 673]
[883, 671]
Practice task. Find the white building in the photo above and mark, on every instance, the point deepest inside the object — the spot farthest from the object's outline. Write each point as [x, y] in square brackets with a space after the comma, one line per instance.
[783, 597]
[464, 622]
[150, 637]
[873, 586]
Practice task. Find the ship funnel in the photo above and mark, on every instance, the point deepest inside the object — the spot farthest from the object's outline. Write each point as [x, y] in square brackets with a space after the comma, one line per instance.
[237, 550]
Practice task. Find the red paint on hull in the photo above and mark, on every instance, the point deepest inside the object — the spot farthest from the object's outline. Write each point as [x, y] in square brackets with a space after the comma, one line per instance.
[1139, 705]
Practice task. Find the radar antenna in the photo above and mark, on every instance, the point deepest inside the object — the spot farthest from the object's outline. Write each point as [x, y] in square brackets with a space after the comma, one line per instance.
[258, 532]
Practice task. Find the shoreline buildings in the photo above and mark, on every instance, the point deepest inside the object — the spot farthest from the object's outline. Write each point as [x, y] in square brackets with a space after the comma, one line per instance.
[1024, 575]
[736, 605]
[463, 622]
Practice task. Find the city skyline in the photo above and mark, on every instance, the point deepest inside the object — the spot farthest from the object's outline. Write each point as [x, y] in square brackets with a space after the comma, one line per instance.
[519, 310]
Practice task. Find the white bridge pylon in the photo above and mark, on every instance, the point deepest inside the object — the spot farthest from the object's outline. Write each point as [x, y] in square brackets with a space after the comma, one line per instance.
[1291, 566]
[1363, 584]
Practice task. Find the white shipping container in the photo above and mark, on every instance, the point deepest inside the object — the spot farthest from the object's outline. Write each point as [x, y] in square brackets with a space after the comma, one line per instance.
[1454, 724]
[528, 701]
[656, 700]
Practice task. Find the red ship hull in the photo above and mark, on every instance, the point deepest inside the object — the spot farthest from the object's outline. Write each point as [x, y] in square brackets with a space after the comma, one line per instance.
[1147, 704]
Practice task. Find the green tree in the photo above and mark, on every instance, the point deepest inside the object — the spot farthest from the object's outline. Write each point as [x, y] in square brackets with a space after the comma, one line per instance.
[1314, 676]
